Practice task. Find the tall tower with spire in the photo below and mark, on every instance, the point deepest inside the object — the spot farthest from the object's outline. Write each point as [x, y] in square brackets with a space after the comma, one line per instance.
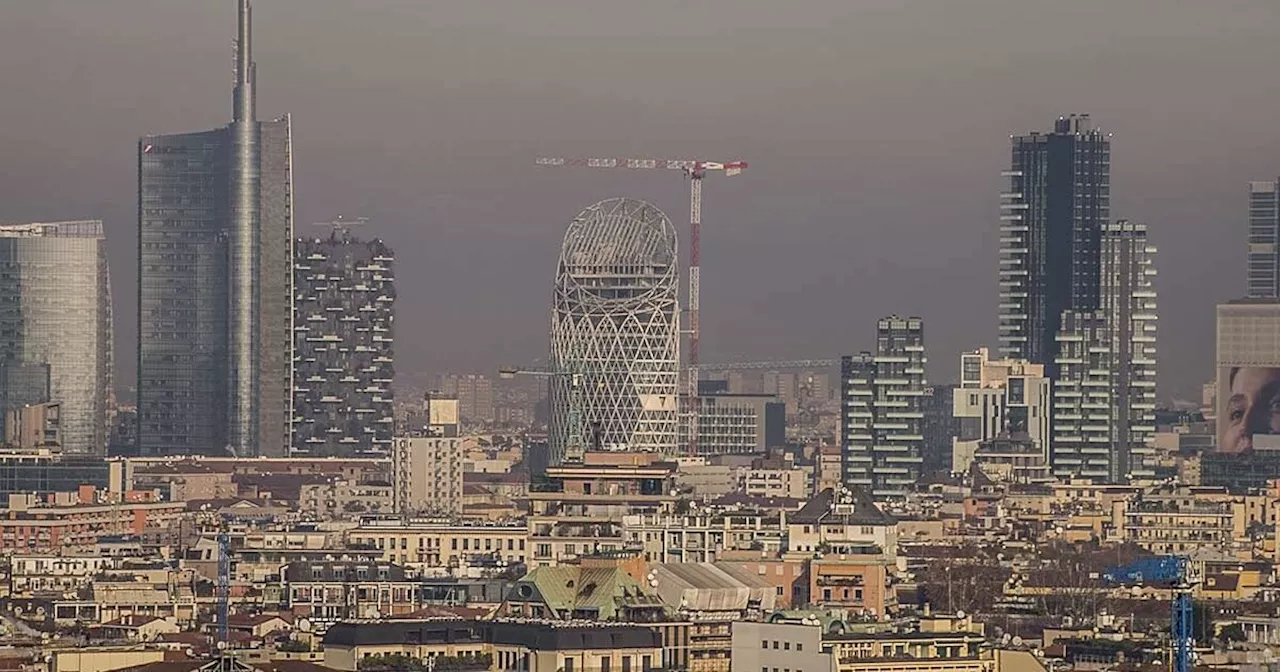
[215, 232]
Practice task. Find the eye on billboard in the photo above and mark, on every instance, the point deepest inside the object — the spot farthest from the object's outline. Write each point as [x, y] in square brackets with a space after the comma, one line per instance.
[1248, 405]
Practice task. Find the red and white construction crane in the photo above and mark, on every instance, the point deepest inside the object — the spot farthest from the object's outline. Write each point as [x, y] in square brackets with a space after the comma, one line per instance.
[695, 170]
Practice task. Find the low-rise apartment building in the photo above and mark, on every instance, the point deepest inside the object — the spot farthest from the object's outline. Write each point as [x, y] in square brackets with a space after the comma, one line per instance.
[580, 510]
[701, 537]
[328, 592]
[441, 544]
[842, 521]
[33, 527]
[514, 645]
[1177, 520]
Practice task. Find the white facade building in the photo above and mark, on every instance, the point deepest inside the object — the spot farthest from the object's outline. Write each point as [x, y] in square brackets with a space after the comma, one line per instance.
[1005, 396]
[1104, 398]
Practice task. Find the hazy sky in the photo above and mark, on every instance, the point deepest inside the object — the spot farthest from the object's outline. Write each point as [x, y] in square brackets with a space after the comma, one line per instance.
[876, 131]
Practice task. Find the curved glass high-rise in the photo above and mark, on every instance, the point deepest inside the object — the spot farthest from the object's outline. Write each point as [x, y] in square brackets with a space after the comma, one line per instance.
[615, 331]
[215, 274]
[55, 327]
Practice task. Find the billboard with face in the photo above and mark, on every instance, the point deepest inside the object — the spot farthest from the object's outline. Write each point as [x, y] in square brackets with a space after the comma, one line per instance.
[1248, 373]
[1248, 405]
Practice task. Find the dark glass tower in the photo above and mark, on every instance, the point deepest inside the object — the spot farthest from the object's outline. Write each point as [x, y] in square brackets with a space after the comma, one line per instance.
[215, 236]
[55, 327]
[1264, 240]
[1058, 200]
[344, 347]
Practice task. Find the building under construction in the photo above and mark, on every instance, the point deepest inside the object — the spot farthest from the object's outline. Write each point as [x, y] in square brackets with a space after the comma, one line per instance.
[615, 332]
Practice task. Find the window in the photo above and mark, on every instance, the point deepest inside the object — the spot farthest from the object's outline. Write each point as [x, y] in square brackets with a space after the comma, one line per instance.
[646, 663]
[779, 590]
[568, 665]
[764, 643]
[786, 646]
[454, 543]
[775, 645]
[799, 646]
[626, 664]
[604, 663]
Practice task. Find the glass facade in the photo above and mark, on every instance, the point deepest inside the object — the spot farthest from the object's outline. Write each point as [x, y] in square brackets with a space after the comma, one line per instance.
[45, 475]
[55, 326]
[1264, 240]
[182, 293]
[1058, 199]
[215, 255]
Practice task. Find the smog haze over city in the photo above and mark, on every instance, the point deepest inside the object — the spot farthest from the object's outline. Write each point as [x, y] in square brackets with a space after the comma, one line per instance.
[876, 131]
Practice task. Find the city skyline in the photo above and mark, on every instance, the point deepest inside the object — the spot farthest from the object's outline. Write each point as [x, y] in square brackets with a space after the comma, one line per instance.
[1192, 192]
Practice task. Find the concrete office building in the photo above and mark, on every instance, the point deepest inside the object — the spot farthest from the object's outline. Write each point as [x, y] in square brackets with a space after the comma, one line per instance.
[781, 646]
[215, 236]
[1000, 397]
[1104, 397]
[615, 329]
[1058, 199]
[882, 433]
[344, 313]
[738, 424]
[1264, 240]
[475, 395]
[55, 329]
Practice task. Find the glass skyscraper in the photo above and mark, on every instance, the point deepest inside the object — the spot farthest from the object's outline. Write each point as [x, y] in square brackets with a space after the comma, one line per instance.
[55, 327]
[1264, 240]
[1058, 200]
[215, 236]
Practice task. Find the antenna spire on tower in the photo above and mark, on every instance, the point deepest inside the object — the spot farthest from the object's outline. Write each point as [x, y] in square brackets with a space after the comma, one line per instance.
[244, 84]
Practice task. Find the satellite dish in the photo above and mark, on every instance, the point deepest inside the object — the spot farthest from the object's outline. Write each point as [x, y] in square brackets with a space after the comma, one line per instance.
[1017, 640]
[960, 613]
[1006, 639]
[304, 625]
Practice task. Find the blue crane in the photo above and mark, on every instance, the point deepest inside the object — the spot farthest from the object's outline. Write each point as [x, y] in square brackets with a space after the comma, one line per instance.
[224, 587]
[1165, 571]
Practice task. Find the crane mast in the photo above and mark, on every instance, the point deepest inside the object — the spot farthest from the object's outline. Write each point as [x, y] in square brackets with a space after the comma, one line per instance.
[694, 170]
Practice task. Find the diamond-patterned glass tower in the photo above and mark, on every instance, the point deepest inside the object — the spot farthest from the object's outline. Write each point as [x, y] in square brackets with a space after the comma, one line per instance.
[615, 328]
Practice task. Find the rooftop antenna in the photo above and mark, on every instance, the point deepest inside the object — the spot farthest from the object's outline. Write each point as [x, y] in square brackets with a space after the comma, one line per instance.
[343, 223]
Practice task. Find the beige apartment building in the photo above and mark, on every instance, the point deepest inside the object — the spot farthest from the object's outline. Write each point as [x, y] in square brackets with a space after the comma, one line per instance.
[427, 475]
[438, 544]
